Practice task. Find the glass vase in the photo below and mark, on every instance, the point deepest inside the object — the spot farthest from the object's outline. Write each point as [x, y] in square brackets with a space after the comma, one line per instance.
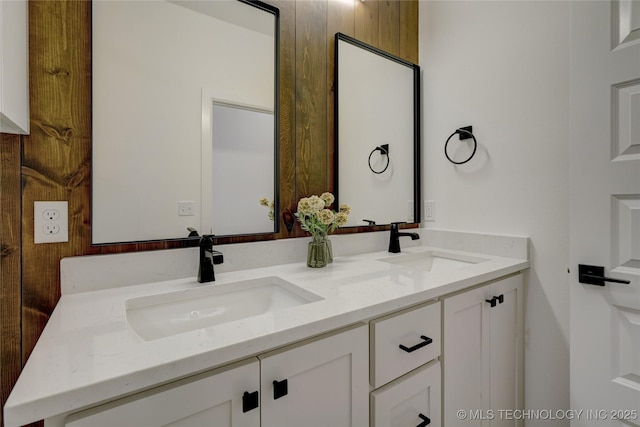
[317, 255]
[329, 251]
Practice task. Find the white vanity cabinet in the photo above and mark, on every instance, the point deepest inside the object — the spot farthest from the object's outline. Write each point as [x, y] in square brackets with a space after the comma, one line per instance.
[14, 67]
[483, 354]
[405, 369]
[318, 382]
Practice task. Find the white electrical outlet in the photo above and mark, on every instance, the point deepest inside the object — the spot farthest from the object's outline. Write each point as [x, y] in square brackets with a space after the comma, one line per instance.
[187, 208]
[50, 222]
[429, 210]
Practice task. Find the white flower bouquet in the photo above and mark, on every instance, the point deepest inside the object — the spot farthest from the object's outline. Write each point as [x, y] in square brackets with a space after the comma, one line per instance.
[316, 217]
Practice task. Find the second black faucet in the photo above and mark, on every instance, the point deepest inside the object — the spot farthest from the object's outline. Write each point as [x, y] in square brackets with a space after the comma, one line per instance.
[208, 257]
[394, 237]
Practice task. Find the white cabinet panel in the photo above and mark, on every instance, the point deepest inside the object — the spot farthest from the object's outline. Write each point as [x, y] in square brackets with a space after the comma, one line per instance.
[412, 400]
[326, 382]
[483, 354]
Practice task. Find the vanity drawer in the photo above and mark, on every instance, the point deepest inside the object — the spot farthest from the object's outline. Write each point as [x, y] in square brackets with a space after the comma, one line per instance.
[412, 400]
[400, 342]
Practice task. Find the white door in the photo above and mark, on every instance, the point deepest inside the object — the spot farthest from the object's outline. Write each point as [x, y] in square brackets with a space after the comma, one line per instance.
[605, 210]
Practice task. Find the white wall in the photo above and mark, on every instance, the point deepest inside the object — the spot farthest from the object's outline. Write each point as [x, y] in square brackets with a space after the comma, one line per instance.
[503, 67]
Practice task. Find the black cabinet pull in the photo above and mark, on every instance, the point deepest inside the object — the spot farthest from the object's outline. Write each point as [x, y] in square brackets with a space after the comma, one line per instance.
[426, 341]
[496, 300]
[425, 421]
[249, 401]
[280, 389]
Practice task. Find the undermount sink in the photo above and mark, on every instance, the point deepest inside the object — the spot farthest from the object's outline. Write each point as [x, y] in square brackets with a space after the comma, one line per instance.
[162, 315]
[433, 261]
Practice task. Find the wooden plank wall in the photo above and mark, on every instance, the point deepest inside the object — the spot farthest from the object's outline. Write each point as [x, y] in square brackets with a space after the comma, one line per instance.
[10, 282]
[53, 163]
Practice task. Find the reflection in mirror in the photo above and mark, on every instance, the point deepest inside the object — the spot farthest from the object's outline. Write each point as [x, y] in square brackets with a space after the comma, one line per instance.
[153, 64]
[377, 134]
[238, 153]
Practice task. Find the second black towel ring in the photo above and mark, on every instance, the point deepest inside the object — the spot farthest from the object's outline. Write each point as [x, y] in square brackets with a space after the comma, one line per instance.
[467, 134]
[384, 149]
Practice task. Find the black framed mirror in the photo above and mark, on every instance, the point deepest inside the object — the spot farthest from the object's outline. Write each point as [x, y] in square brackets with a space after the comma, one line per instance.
[155, 84]
[377, 134]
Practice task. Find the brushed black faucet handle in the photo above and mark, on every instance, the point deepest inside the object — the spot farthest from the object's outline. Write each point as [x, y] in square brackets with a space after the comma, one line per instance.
[217, 257]
[395, 226]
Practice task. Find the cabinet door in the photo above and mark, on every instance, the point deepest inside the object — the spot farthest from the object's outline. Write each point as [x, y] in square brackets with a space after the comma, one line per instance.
[483, 347]
[214, 399]
[466, 356]
[411, 400]
[506, 350]
[318, 383]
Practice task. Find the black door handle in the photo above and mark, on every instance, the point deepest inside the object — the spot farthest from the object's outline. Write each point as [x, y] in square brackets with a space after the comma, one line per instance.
[594, 275]
[280, 389]
[249, 401]
[426, 341]
[493, 301]
[425, 421]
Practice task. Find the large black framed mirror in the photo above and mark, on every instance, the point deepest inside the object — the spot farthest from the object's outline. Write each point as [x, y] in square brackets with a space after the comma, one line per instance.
[377, 134]
[170, 80]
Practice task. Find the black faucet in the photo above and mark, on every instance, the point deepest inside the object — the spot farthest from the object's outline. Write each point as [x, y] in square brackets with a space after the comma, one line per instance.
[394, 241]
[208, 257]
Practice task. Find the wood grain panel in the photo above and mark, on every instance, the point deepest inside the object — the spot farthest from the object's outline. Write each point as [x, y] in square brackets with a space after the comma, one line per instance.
[311, 98]
[367, 22]
[409, 30]
[287, 156]
[389, 22]
[10, 300]
[56, 156]
[340, 19]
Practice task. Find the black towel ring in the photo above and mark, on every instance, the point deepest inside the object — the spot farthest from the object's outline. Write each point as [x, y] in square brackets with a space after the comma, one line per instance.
[384, 149]
[467, 134]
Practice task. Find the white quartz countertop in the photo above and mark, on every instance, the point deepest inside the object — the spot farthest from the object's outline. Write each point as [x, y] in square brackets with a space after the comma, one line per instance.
[89, 354]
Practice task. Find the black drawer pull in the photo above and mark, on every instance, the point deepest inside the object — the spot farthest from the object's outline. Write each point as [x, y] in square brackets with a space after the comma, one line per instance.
[249, 401]
[426, 341]
[425, 421]
[493, 301]
[280, 389]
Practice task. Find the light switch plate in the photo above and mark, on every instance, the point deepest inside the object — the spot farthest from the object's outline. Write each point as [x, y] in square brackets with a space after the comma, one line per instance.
[50, 222]
[429, 210]
[186, 208]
